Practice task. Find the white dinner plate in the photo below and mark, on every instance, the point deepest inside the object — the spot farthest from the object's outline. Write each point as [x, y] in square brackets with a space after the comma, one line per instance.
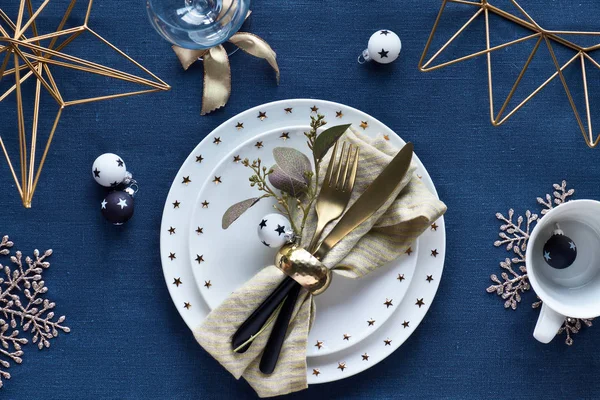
[178, 217]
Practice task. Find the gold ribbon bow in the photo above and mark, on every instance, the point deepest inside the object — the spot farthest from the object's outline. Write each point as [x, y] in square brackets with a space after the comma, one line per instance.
[217, 74]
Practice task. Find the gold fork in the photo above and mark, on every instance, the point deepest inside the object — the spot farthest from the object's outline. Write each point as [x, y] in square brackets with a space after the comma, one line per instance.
[336, 189]
[332, 201]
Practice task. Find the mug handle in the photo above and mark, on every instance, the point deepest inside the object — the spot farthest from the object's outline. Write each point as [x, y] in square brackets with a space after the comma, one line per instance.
[548, 324]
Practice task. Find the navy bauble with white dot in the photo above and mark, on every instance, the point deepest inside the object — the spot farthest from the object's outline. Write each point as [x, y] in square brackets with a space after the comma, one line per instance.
[560, 251]
[117, 207]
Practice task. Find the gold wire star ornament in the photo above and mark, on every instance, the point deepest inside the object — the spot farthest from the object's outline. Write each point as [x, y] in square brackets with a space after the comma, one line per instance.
[21, 43]
[550, 38]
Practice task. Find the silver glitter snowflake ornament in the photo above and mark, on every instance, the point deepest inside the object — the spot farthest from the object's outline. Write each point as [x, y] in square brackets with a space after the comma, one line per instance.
[514, 235]
[23, 305]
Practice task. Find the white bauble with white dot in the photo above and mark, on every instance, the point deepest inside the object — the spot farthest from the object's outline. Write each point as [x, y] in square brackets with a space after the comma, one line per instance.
[384, 46]
[109, 170]
[274, 230]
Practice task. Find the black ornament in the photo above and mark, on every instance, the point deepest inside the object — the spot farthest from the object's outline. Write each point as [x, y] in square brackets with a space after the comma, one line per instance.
[117, 207]
[559, 251]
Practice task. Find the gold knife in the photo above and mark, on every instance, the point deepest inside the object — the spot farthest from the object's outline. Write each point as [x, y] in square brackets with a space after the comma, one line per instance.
[375, 196]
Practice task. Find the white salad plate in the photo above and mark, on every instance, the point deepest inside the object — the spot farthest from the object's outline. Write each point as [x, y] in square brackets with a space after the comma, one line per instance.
[203, 263]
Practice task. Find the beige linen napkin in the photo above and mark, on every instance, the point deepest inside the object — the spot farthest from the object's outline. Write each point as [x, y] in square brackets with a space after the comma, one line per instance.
[382, 238]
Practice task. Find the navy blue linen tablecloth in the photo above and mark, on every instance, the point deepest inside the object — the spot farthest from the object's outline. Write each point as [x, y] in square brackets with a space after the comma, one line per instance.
[127, 338]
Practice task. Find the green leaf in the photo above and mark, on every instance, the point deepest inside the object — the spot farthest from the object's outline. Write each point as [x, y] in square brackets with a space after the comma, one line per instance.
[236, 211]
[327, 138]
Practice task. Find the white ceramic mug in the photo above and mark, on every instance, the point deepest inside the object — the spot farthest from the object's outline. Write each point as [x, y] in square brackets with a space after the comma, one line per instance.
[573, 291]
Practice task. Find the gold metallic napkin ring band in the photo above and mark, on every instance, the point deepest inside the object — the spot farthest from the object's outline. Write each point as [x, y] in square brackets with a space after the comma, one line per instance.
[297, 263]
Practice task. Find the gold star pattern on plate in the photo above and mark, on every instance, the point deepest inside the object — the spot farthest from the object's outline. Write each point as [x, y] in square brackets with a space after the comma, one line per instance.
[171, 231]
[409, 251]
[288, 110]
[285, 136]
[217, 140]
[172, 256]
[207, 284]
[388, 303]
[314, 109]
[339, 114]
[434, 226]
[239, 126]
[387, 342]
[316, 371]
[187, 305]
[371, 322]
[319, 344]
[400, 277]
[347, 337]
[262, 115]
[434, 253]
[177, 281]
[237, 159]
[364, 124]
[365, 357]
[199, 230]
[405, 324]
[259, 145]
[186, 180]
[217, 180]
[199, 158]
[176, 204]
[386, 137]
[429, 278]
[205, 204]
[419, 303]
[342, 366]
[199, 258]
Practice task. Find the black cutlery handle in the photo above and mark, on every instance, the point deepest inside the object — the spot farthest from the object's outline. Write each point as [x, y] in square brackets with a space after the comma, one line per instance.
[261, 315]
[275, 342]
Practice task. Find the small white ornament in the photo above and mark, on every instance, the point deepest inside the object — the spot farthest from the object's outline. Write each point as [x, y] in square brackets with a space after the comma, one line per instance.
[109, 170]
[384, 47]
[274, 230]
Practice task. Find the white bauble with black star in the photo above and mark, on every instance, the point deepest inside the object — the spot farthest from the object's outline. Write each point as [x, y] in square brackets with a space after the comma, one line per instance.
[109, 170]
[274, 230]
[384, 46]
[117, 207]
[560, 251]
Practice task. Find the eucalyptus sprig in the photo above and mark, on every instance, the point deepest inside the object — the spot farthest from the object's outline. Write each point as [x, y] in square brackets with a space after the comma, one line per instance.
[315, 124]
[291, 181]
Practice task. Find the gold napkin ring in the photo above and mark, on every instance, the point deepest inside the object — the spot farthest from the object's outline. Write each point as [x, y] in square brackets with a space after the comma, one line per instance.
[297, 263]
